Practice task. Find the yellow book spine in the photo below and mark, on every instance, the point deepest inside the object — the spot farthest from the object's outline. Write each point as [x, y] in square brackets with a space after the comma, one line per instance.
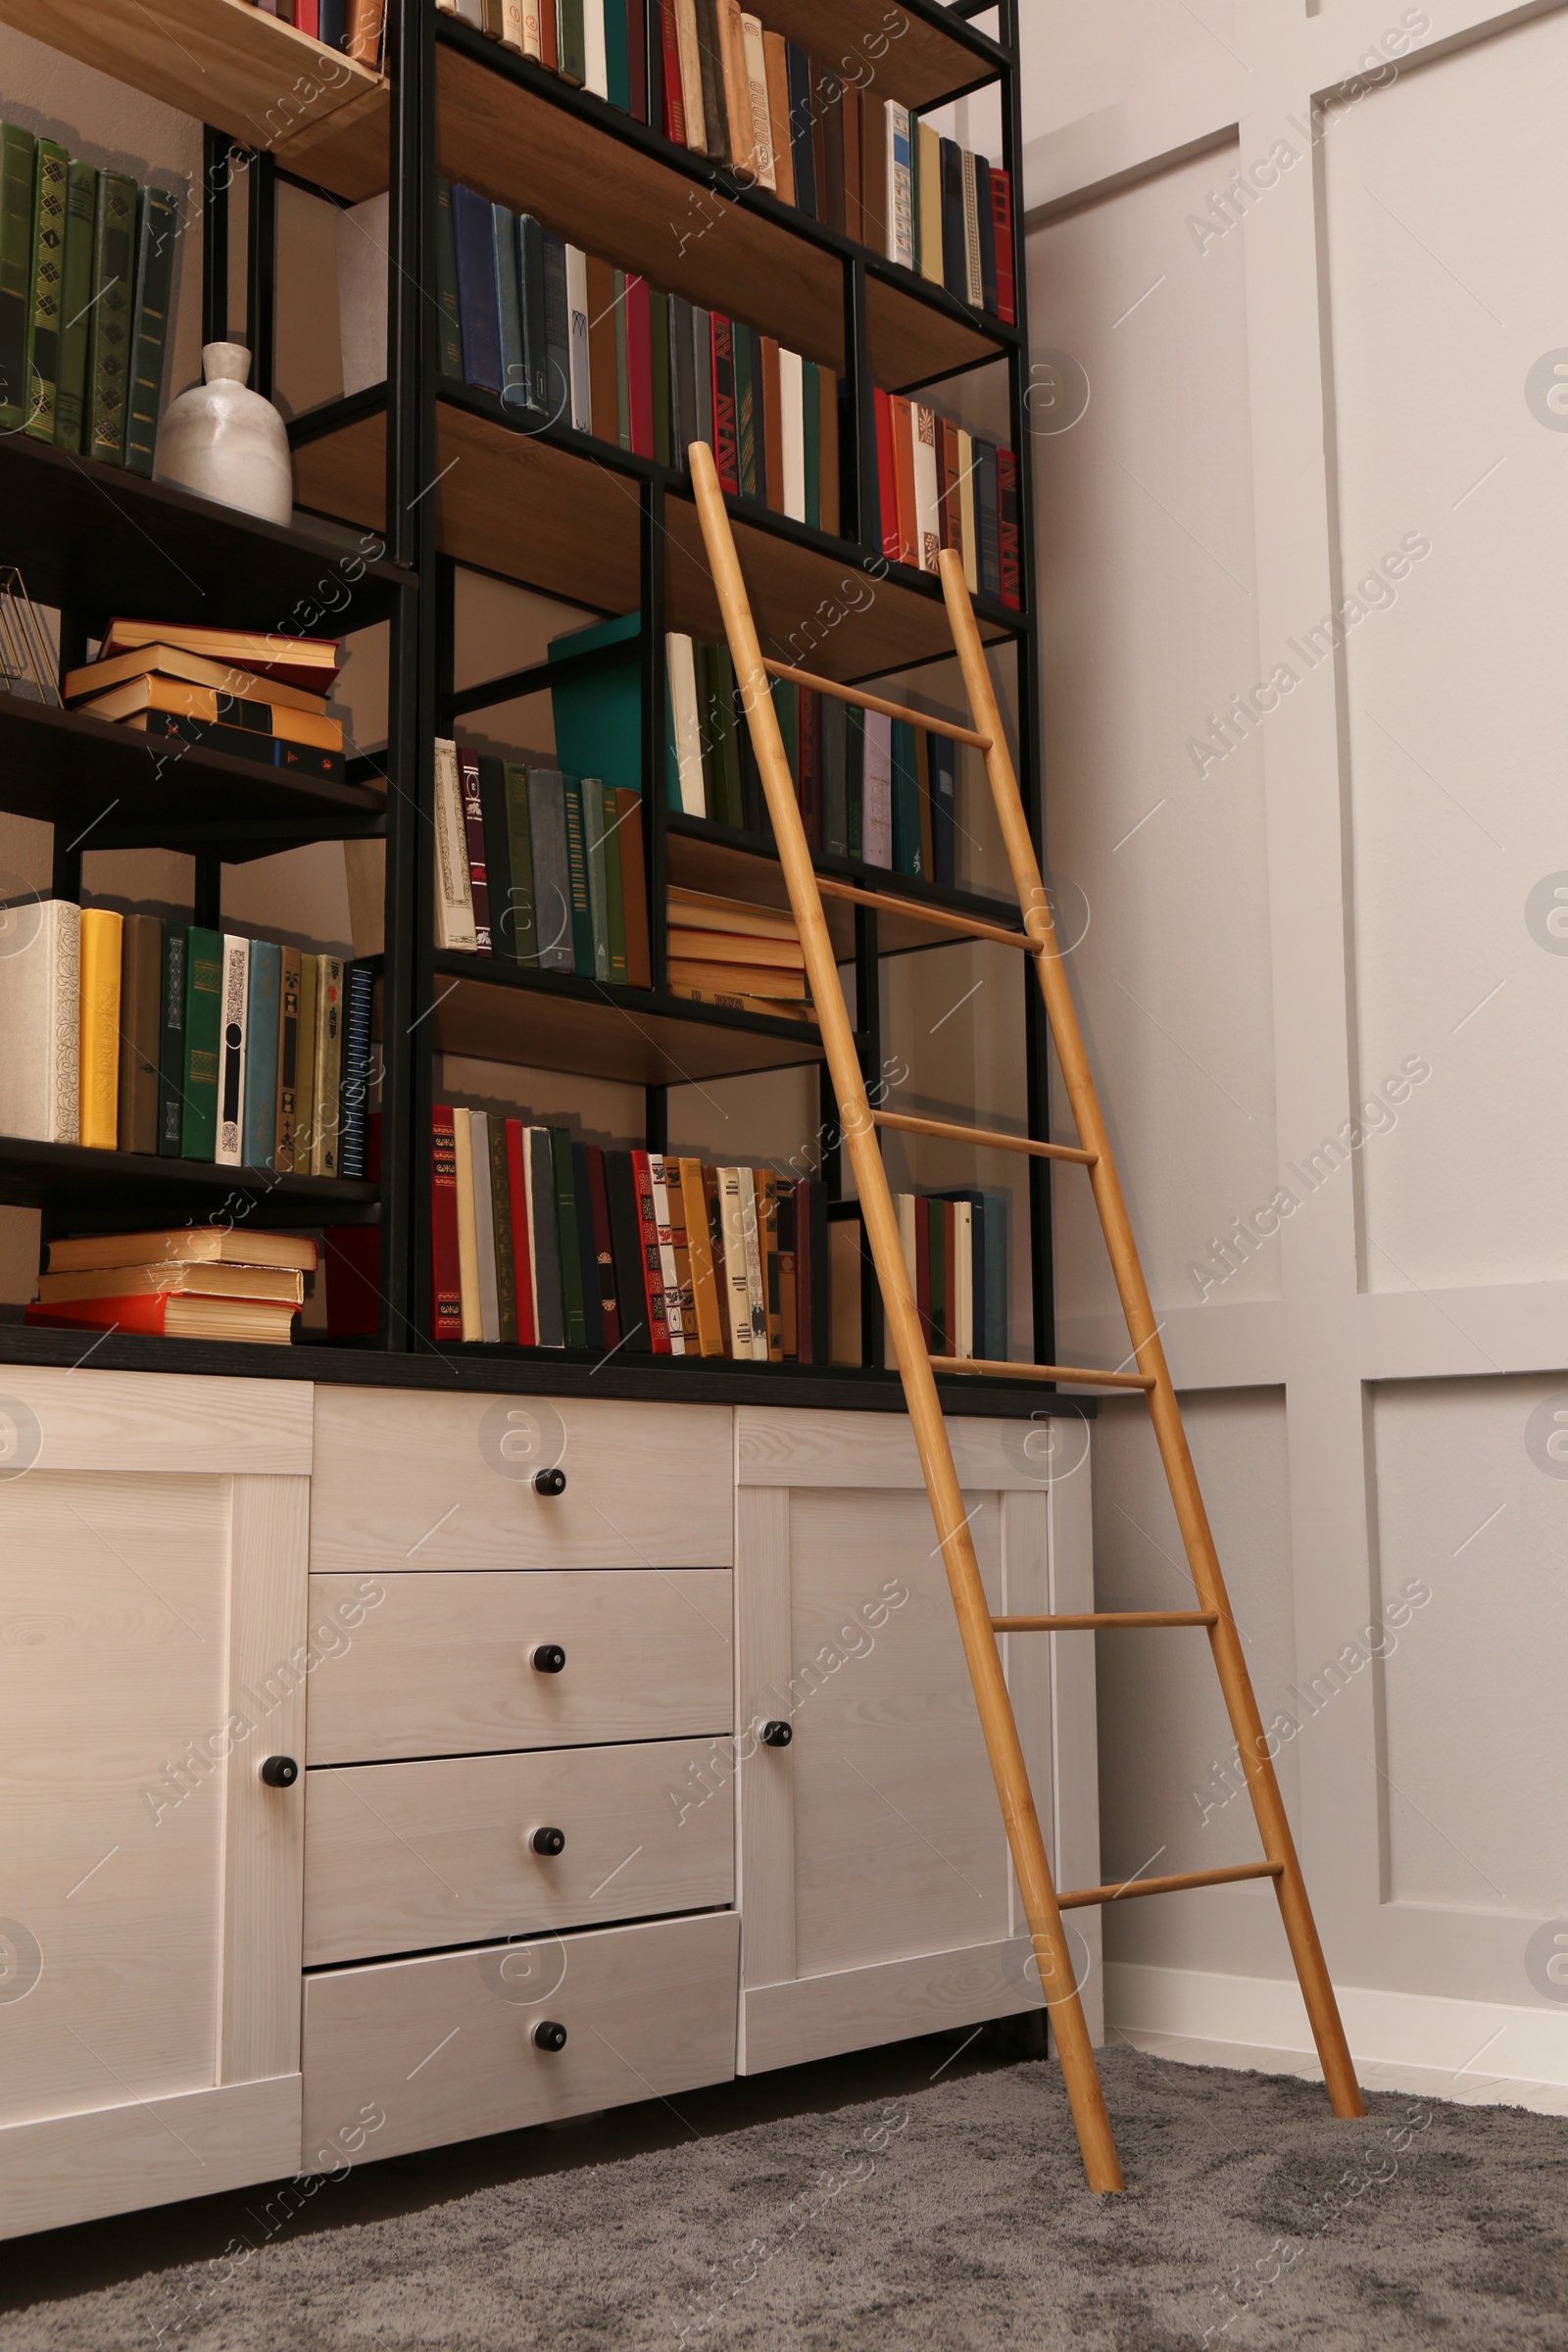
[467, 1226]
[101, 930]
[698, 1240]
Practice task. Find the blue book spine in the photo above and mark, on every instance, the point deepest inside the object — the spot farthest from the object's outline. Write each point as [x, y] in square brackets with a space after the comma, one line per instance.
[331, 23]
[531, 296]
[508, 313]
[478, 318]
[262, 1013]
[353, 1083]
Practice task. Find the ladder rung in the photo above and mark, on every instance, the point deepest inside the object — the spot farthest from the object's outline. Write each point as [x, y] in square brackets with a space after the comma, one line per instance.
[875, 702]
[1084, 1374]
[944, 917]
[1093, 1618]
[1079, 1897]
[990, 1137]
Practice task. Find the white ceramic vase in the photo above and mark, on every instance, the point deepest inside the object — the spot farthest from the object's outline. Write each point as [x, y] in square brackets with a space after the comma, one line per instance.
[226, 442]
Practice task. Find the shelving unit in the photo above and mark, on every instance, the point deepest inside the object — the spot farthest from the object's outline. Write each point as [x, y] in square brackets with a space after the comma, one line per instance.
[420, 476]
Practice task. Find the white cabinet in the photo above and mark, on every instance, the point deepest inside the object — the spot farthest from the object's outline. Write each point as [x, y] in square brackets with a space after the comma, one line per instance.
[878, 1897]
[154, 1652]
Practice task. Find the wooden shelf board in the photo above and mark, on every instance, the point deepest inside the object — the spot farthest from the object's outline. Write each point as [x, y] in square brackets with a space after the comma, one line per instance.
[139, 1192]
[539, 1023]
[87, 774]
[518, 144]
[917, 64]
[226, 63]
[105, 541]
[737, 866]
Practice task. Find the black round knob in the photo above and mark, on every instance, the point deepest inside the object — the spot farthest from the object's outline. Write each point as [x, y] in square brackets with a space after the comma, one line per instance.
[550, 1482]
[281, 1771]
[548, 2036]
[547, 1657]
[549, 1841]
[776, 1735]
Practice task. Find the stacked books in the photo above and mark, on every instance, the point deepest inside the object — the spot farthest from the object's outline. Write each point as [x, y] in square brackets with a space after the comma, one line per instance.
[727, 951]
[538, 868]
[356, 28]
[547, 1243]
[200, 1283]
[939, 485]
[128, 1033]
[809, 132]
[955, 1249]
[86, 269]
[869, 788]
[254, 695]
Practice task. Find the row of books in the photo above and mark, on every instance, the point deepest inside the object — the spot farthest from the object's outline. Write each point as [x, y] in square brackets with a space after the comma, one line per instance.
[196, 1282]
[955, 1249]
[542, 1241]
[870, 787]
[538, 868]
[130, 1033]
[749, 97]
[938, 485]
[728, 952]
[560, 333]
[164, 682]
[356, 28]
[86, 269]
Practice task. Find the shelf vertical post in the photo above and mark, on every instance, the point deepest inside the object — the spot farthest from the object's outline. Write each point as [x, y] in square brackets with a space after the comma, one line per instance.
[651, 647]
[218, 170]
[868, 1046]
[408, 997]
[858, 432]
[261, 269]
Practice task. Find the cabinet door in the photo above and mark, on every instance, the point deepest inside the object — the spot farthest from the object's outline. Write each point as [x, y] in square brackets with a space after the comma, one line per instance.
[153, 1652]
[877, 1895]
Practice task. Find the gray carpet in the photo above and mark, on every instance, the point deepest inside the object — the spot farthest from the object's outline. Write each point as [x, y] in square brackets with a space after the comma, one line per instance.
[949, 2213]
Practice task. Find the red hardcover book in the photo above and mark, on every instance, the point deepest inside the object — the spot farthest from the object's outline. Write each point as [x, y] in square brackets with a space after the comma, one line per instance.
[639, 367]
[308, 18]
[143, 1313]
[949, 511]
[903, 477]
[633, 886]
[637, 56]
[809, 781]
[726, 451]
[651, 1261]
[669, 73]
[949, 1276]
[886, 480]
[351, 1258]
[446, 1282]
[922, 1264]
[802, 1271]
[1008, 506]
[522, 1257]
[604, 1247]
[787, 1295]
[1001, 220]
[548, 46]
[474, 826]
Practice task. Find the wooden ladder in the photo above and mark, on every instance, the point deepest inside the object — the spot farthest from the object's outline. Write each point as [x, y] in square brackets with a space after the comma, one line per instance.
[1043, 1906]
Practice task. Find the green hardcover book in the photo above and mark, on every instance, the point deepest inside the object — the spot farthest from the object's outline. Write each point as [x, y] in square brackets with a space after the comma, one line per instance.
[746, 390]
[172, 1046]
[812, 417]
[907, 859]
[18, 149]
[149, 340]
[114, 263]
[75, 307]
[446, 282]
[599, 715]
[622, 365]
[614, 908]
[572, 55]
[572, 1316]
[592, 794]
[204, 1002]
[525, 942]
[617, 59]
[582, 915]
[48, 275]
[659, 346]
[501, 1218]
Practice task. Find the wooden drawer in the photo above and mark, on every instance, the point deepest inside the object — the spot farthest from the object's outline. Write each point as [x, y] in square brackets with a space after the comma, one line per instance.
[442, 2049]
[439, 1665]
[431, 1482]
[402, 1857]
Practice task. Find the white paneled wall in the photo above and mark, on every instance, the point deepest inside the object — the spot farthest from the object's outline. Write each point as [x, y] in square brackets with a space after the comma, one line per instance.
[1328, 390]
